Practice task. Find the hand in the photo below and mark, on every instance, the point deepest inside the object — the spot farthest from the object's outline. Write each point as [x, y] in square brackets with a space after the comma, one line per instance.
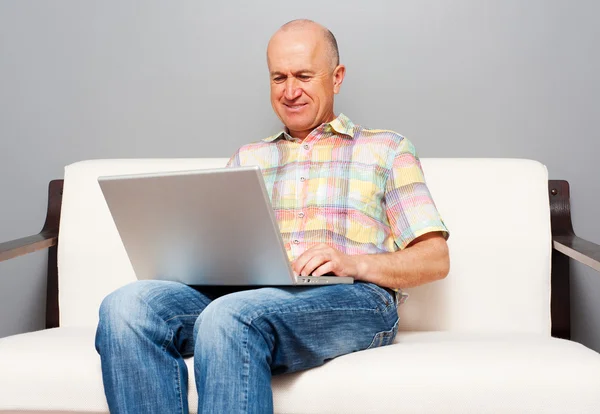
[322, 259]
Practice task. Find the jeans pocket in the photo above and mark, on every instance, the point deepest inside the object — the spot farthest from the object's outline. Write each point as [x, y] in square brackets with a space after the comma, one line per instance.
[386, 298]
[384, 338]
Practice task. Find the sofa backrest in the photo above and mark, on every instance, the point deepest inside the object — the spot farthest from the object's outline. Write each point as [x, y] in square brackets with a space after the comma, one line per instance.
[497, 211]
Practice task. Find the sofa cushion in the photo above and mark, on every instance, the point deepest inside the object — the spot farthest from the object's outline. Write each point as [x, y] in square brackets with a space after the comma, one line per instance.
[58, 370]
[496, 209]
[498, 214]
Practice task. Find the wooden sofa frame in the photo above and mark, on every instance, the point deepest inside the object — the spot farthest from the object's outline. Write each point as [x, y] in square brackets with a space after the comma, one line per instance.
[565, 245]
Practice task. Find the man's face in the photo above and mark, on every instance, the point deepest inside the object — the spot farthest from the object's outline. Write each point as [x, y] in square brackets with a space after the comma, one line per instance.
[303, 80]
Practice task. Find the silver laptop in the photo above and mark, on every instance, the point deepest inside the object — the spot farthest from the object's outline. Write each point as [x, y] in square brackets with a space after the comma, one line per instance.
[202, 227]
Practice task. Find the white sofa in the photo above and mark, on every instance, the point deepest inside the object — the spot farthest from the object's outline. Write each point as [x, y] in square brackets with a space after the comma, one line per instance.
[478, 341]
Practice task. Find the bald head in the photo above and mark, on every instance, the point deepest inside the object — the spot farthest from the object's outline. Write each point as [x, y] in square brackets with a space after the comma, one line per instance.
[305, 74]
[331, 45]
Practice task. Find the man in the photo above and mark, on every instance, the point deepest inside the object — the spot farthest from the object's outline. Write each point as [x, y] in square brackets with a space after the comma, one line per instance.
[350, 201]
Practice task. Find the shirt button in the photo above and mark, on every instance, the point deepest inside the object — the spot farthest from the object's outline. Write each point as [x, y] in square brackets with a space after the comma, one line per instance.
[296, 241]
[302, 179]
[300, 214]
[306, 147]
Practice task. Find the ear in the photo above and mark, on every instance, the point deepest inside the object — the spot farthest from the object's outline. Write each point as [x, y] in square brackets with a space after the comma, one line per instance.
[338, 77]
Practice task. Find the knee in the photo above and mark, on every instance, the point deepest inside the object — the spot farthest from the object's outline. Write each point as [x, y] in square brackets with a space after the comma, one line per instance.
[121, 309]
[223, 317]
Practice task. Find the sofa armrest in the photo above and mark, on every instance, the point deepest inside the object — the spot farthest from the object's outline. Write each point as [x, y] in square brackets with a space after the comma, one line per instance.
[578, 249]
[566, 245]
[47, 237]
[564, 239]
[19, 247]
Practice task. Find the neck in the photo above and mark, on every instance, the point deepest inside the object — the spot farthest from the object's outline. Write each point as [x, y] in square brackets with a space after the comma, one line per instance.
[303, 134]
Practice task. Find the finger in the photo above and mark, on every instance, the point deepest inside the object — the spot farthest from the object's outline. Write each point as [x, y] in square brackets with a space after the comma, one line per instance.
[313, 263]
[300, 262]
[325, 269]
[304, 258]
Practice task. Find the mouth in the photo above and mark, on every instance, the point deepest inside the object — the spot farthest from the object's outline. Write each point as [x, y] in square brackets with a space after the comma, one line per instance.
[294, 107]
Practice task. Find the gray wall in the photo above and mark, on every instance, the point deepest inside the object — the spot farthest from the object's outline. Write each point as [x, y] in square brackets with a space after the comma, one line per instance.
[467, 78]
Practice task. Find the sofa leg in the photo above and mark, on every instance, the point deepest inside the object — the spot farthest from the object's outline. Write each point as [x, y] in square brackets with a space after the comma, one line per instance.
[52, 312]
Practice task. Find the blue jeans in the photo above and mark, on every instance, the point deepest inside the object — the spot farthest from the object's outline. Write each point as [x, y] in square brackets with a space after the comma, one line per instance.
[239, 340]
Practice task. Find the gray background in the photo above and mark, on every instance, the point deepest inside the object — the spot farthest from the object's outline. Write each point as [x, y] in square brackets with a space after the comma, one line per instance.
[463, 78]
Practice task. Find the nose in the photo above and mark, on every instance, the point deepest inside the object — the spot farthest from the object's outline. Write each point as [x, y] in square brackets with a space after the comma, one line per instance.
[292, 91]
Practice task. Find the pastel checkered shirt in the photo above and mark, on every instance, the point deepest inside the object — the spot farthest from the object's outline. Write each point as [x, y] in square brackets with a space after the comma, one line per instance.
[359, 190]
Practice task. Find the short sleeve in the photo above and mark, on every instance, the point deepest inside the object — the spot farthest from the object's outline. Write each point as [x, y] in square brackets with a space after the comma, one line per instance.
[410, 209]
[234, 161]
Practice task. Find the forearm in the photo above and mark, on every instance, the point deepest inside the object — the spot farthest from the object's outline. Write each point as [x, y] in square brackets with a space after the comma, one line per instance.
[421, 263]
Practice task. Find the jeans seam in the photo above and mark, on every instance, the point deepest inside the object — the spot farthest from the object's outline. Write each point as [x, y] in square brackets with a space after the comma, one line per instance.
[182, 316]
[168, 339]
[178, 373]
[377, 337]
[246, 372]
[383, 335]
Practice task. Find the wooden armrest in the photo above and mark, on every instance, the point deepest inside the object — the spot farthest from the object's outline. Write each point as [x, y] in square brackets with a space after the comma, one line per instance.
[579, 249]
[46, 238]
[564, 239]
[19, 247]
[566, 246]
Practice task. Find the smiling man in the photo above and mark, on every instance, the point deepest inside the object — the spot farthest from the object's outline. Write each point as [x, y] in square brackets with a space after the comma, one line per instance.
[305, 74]
[350, 201]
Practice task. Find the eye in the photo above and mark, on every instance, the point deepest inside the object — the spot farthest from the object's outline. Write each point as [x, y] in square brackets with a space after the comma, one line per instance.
[278, 79]
[303, 78]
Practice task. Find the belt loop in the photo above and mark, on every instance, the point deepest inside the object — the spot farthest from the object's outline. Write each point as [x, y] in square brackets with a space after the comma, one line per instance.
[394, 295]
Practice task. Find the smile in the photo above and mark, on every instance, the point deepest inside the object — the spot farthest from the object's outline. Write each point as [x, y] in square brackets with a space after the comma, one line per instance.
[294, 107]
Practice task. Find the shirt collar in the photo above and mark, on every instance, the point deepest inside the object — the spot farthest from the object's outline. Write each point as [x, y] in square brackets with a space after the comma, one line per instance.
[342, 125]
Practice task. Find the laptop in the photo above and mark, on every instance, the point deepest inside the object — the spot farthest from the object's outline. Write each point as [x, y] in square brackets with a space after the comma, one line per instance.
[202, 227]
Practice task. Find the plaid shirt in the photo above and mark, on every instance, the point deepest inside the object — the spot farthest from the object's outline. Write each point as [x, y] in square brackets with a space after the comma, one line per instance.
[358, 190]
